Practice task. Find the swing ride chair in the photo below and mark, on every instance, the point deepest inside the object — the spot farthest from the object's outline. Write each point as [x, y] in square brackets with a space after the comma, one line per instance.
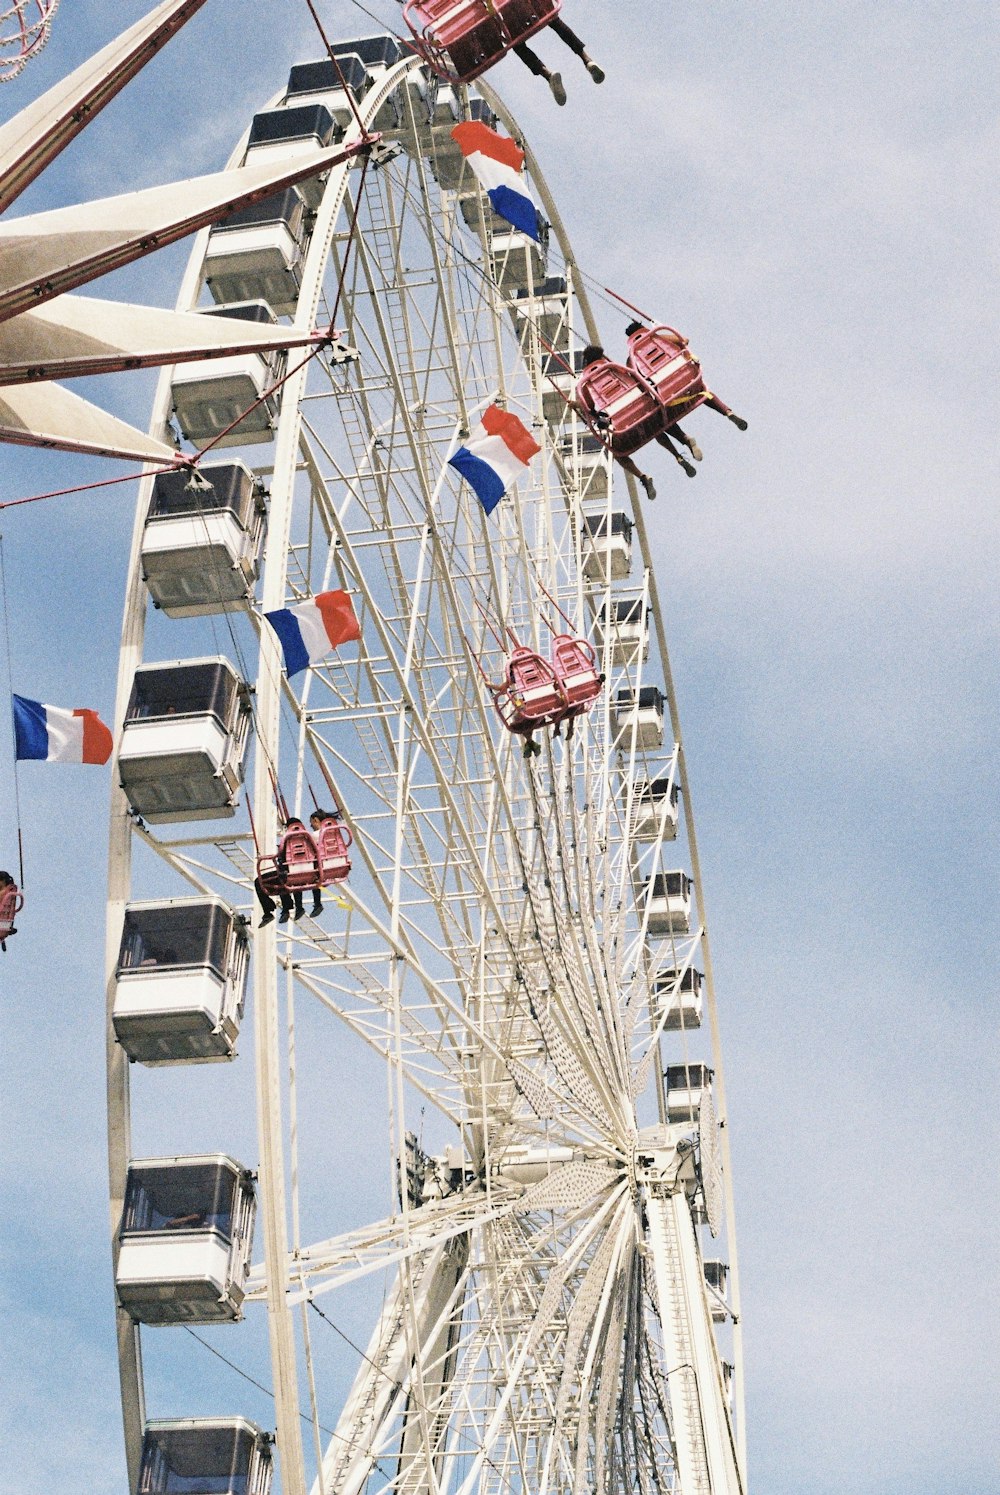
[224, 1455]
[11, 903]
[304, 861]
[660, 356]
[532, 695]
[634, 414]
[575, 665]
[459, 39]
[185, 1240]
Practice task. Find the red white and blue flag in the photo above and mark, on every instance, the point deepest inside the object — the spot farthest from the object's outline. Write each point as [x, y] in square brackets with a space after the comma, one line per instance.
[51, 734]
[311, 629]
[499, 166]
[497, 452]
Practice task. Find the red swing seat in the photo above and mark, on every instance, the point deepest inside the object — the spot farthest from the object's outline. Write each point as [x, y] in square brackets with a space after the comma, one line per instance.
[11, 903]
[661, 357]
[531, 696]
[459, 39]
[333, 839]
[634, 411]
[295, 866]
[575, 664]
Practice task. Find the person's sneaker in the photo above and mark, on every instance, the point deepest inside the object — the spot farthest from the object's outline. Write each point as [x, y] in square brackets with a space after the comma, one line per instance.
[694, 449]
[691, 471]
[595, 70]
[647, 483]
[283, 916]
[316, 910]
[267, 919]
[738, 422]
[557, 87]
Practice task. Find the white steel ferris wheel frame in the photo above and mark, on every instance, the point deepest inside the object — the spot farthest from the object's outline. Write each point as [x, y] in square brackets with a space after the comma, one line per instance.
[509, 806]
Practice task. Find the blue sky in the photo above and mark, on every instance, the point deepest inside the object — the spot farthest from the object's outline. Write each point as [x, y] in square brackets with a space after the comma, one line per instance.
[805, 189]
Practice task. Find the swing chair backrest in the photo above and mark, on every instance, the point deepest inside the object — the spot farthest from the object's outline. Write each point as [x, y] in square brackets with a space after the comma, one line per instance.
[299, 852]
[11, 903]
[459, 39]
[333, 839]
[660, 356]
[575, 664]
[633, 409]
[532, 695]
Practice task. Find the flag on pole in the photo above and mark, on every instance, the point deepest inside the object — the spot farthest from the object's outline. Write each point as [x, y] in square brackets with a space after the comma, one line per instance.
[51, 734]
[497, 452]
[499, 166]
[311, 629]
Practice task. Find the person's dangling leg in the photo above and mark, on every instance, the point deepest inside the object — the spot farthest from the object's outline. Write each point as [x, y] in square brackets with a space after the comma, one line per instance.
[676, 434]
[577, 47]
[267, 903]
[629, 466]
[663, 440]
[535, 65]
[714, 403]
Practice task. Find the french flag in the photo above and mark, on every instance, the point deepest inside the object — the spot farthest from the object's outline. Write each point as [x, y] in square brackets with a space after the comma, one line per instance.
[52, 735]
[495, 455]
[499, 165]
[311, 629]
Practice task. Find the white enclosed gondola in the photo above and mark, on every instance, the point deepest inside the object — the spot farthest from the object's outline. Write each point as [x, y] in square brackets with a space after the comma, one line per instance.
[629, 631]
[234, 392]
[640, 711]
[546, 308]
[185, 1240]
[717, 1279]
[588, 462]
[518, 261]
[655, 809]
[559, 375]
[205, 1456]
[255, 253]
[201, 546]
[607, 544]
[447, 162]
[359, 64]
[181, 981]
[681, 994]
[184, 740]
[283, 134]
[669, 899]
[684, 1086]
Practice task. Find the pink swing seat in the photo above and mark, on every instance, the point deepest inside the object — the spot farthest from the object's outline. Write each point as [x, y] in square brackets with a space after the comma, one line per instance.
[531, 695]
[662, 359]
[459, 39]
[333, 840]
[11, 903]
[575, 666]
[635, 413]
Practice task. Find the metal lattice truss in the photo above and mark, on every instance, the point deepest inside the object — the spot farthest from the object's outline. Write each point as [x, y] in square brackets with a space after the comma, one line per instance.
[549, 1327]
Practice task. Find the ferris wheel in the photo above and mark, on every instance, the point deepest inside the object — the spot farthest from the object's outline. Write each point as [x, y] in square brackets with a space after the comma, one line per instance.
[519, 949]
